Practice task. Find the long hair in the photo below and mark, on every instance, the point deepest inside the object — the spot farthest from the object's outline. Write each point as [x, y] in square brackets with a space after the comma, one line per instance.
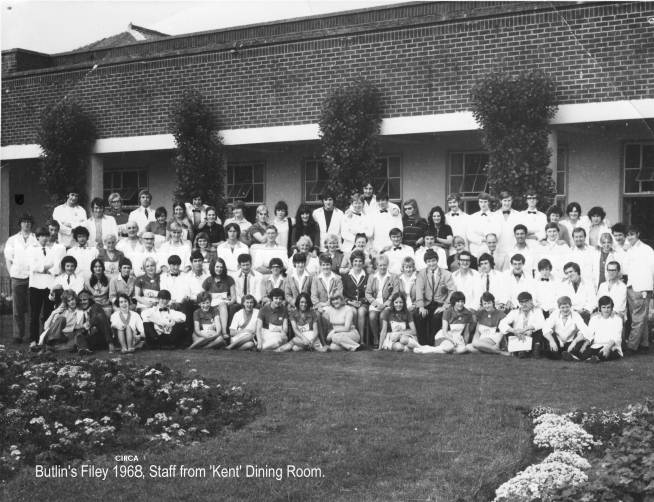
[430, 219]
[104, 280]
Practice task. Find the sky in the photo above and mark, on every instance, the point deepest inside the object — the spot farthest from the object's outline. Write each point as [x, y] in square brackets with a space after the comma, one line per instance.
[58, 26]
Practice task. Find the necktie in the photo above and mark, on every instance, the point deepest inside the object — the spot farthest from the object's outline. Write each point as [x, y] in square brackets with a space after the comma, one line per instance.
[487, 283]
[245, 284]
[506, 212]
[484, 214]
[68, 280]
[454, 214]
[43, 249]
[543, 279]
[531, 212]
[397, 248]
[163, 310]
[356, 214]
[383, 210]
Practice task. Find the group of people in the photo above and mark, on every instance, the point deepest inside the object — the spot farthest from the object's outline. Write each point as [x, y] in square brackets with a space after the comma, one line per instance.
[375, 275]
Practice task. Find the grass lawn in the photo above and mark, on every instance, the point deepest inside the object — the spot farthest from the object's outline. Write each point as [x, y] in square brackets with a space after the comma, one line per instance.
[380, 426]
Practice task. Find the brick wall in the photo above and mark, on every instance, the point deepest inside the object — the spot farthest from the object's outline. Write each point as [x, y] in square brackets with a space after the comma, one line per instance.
[595, 52]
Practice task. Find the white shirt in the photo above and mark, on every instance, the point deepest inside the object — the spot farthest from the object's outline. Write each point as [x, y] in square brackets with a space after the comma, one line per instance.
[459, 223]
[582, 222]
[617, 291]
[497, 283]
[515, 286]
[528, 253]
[565, 329]
[254, 285]
[163, 321]
[639, 266]
[535, 222]
[352, 225]
[407, 283]
[419, 257]
[262, 254]
[68, 217]
[107, 225]
[43, 268]
[604, 331]
[238, 322]
[16, 254]
[557, 254]
[588, 262]
[178, 286]
[138, 215]
[582, 299]
[383, 223]
[138, 260]
[334, 224]
[84, 257]
[396, 257]
[230, 256]
[195, 283]
[135, 322]
[505, 225]
[480, 224]
[183, 250]
[131, 249]
[74, 282]
[545, 293]
[517, 319]
[469, 284]
[381, 280]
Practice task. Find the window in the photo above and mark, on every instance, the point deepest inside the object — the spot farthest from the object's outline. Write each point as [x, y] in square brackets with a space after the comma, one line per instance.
[245, 182]
[468, 177]
[561, 177]
[315, 179]
[386, 178]
[639, 168]
[127, 182]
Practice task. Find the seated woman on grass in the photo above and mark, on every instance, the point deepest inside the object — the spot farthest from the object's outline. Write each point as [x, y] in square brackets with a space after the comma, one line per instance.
[207, 329]
[272, 323]
[487, 336]
[60, 327]
[304, 323]
[603, 339]
[128, 325]
[341, 334]
[221, 288]
[453, 337]
[398, 331]
[244, 326]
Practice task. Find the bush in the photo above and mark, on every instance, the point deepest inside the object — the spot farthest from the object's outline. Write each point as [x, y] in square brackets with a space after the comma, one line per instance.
[66, 135]
[53, 411]
[199, 154]
[350, 122]
[514, 113]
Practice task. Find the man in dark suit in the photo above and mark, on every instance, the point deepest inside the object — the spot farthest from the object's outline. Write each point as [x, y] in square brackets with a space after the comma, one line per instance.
[433, 289]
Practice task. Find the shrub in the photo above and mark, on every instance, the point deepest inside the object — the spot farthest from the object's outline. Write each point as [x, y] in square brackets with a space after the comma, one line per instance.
[66, 135]
[199, 153]
[53, 411]
[350, 122]
[514, 113]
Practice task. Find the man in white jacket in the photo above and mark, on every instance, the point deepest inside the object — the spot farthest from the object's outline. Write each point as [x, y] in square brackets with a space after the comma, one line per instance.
[328, 217]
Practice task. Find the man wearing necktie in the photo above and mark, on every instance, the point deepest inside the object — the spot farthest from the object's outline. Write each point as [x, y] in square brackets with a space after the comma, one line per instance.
[434, 286]
[456, 218]
[397, 251]
[533, 219]
[481, 223]
[143, 214]
[384, 221]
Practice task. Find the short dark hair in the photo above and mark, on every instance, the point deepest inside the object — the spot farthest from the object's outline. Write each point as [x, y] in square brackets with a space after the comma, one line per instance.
[395, 231]
[325, 258]
[276, 293]
[281, 206]
[124, 261]
[457, 296]
[573, 266]
[97, 201]
[579, 230]
[197, 255]
[605, 300]
[543, 264]
[486, 257]
[68, 259]
[173, 259]
[518, 257]
[555, 226]
[235, 226]
[77, 231]
[520, 226]
[487, 296]
[160, 211]
[597, 211]
[619, 228]
[41, 232]
[244, 258]
[299, 258]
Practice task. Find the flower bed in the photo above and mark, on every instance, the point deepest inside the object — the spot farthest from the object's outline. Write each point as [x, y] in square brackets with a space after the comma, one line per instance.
[53, 411]
[620, 446]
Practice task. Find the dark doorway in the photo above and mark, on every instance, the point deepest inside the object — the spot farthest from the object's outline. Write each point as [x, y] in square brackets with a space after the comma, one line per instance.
[640, 211]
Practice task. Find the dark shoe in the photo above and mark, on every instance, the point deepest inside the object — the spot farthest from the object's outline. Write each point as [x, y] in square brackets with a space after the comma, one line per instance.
[566, 356]
[593, 359]
[643, 350]
[361, 348]
[522, 354]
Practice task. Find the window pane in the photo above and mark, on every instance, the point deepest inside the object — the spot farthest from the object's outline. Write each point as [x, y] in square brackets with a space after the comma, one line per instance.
[480, 183]
[242, 174]
[257, 195]
[648, 156]
[394, 167]
[455, 184]
[322, 172]
[258, 173]
[560, 183]
[394, 189]
[456, 160]
[130, 179]
[630, 183]
[632, 157]
[468, 184]
[647, 187]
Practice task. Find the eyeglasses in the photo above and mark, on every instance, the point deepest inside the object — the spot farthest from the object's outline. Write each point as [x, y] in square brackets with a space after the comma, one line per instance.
[464, 260]
[611, 269]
